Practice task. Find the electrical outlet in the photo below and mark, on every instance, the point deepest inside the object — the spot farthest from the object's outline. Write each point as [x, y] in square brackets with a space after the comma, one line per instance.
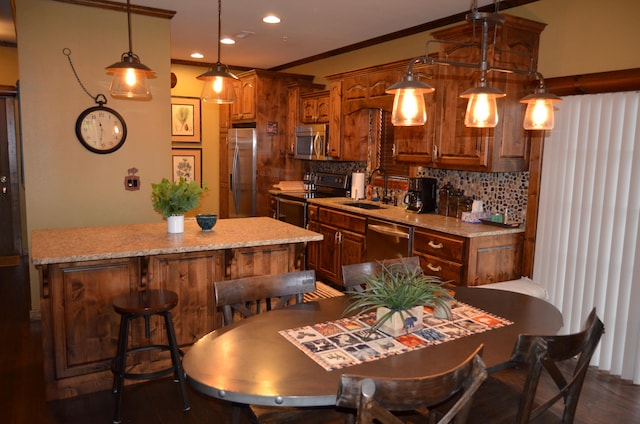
[132, 181]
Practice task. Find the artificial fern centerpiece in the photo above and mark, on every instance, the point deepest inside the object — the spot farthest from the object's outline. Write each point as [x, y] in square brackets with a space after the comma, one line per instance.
[400, 290]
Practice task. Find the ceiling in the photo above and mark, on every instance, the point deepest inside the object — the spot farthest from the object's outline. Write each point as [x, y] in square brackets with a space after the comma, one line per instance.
[308, 28]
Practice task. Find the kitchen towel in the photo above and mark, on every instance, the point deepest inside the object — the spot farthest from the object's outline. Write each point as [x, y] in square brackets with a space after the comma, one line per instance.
[357, 185]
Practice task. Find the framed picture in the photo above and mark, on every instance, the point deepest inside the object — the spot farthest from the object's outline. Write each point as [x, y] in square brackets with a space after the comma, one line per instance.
[187, 163]
[185, 119]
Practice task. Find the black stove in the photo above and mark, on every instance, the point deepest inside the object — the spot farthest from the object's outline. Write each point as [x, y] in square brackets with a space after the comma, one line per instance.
[329, 185]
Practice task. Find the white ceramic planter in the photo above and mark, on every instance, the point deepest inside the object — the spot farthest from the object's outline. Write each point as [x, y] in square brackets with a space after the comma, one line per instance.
[175, 224]
[397, 324]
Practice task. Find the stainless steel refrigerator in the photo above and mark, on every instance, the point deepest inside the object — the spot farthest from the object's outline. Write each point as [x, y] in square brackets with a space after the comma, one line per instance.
[242, 172]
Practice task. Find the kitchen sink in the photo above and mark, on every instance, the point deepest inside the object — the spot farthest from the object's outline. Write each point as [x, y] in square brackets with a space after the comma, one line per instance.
[363, 205]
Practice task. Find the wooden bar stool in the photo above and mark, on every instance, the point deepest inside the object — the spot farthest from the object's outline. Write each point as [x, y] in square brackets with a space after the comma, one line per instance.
[145, 304]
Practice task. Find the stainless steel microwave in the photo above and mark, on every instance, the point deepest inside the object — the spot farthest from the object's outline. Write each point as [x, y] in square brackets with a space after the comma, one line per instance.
[311, 142]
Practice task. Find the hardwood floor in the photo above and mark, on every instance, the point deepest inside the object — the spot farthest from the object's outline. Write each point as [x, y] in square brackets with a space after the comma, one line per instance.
[605, 399]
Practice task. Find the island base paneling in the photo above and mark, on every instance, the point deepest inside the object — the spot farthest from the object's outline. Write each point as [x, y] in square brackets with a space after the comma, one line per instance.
[80, 327]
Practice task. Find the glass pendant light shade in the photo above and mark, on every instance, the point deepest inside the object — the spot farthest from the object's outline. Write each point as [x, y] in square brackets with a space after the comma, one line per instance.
[130, 78]
[482, 109]
[218, 82]
[218, 85]
[129, 75]
[539, 114]
[408, 102]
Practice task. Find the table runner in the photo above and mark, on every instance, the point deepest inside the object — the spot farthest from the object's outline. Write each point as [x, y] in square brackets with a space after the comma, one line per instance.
[347, 341]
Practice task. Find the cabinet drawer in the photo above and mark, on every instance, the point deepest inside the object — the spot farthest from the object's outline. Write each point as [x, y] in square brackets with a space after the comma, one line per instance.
[350, 222]
[447, 270]
[438, 244]
[312, 213]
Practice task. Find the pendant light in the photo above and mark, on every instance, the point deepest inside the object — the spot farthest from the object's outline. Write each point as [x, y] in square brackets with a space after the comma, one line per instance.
[218, 81]
[129, 75]
[481, 109]
[539, 113]
[408, 102]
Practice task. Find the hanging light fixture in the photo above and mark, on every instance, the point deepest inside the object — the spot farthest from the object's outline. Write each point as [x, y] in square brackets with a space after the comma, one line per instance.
[218, 81]
[408, 102]
[129, 75]
[482, 111]
[539, 113]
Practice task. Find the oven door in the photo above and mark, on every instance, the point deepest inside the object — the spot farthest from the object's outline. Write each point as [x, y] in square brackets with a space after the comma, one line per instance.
[292, 212]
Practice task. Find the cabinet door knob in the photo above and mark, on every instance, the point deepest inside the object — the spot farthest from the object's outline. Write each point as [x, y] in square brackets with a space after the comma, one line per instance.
[434, 245]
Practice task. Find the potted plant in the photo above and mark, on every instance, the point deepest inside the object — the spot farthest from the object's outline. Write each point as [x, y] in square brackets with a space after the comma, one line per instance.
[399, 295]
[174, 199]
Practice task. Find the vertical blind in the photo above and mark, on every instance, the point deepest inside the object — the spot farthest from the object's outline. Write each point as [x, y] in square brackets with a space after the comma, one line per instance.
[588, 238]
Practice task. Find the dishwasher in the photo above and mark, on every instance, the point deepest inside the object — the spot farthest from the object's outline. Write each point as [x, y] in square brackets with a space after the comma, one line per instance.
[387, 240]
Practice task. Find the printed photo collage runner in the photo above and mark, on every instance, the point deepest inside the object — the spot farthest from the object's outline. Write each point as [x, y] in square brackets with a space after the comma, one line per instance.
[348, 341]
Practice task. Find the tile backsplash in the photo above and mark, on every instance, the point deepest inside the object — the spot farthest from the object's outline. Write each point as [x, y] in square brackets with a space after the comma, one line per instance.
[498, 190]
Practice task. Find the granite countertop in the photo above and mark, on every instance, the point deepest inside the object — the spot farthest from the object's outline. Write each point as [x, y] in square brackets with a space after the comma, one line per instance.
[122, 241]
[428, 221]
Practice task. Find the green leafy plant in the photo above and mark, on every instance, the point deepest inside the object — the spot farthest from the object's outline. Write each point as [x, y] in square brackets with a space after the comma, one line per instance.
[399, 289]
[171, 198]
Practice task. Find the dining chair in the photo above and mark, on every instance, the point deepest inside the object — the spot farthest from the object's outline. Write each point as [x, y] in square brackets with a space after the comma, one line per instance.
[385, 400]
[245, 297]
[534, 354]
[248, 296]
[354, 275]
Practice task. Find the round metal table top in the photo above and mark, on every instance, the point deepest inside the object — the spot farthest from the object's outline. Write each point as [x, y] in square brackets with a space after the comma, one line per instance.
[249, 362]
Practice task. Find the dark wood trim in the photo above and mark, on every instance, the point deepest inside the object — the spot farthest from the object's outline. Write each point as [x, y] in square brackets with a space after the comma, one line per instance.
[601, 82]
[112, 5]
[8, 90]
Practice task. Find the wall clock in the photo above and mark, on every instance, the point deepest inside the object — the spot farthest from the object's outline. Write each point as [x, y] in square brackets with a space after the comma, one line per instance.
[101, 129]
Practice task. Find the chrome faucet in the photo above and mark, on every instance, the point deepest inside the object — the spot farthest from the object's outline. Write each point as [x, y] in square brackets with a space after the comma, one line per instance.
[385, 193]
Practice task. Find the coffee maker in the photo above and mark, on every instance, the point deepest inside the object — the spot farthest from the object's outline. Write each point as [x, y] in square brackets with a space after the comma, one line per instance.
[421, 196]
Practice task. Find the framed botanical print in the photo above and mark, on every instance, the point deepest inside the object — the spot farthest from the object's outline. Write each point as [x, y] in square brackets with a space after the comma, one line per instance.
[185, 119]
[187, 163]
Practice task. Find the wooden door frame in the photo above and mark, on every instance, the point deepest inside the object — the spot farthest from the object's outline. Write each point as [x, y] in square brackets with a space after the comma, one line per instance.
[8, 94]
[602, 82]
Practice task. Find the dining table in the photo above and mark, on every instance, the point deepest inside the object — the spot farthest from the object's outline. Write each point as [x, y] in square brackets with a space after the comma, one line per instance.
[250, 362]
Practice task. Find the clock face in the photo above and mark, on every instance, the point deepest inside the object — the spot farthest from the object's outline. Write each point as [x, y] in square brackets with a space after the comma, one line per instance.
[101, 129]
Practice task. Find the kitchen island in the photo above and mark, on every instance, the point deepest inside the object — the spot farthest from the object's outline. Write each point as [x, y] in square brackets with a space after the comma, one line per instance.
[81, 271]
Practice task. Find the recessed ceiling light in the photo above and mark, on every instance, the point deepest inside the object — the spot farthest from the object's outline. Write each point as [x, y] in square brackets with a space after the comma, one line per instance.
[271, 19]
[227, 40]
[197, 55]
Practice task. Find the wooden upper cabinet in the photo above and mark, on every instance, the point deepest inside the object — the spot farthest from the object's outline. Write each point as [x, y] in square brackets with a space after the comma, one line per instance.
[335, 119]
[244, 108]
[315, 108]
[351, 96]
[367, 89]
[505, 147]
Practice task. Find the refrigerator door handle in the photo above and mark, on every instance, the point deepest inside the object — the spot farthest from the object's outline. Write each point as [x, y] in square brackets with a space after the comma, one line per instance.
[235, 186]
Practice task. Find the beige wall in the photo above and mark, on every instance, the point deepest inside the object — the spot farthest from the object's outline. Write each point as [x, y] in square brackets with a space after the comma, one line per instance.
[189, 86]
[581, 37]
[66, 185]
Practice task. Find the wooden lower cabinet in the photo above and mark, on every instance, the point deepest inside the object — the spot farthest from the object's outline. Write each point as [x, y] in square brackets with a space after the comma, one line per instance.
[343, 243]
[80, 326]
[469, 261]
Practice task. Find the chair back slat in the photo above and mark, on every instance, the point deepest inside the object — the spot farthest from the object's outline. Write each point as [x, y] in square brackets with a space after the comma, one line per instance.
[375, 397]
[540, 353]
[354, 275]
[244, 296]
